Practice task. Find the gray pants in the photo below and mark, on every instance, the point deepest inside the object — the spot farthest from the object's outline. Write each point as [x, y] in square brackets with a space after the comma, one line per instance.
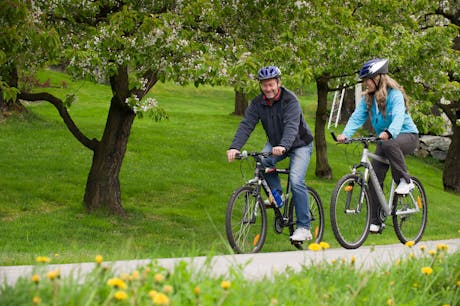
[394, 150]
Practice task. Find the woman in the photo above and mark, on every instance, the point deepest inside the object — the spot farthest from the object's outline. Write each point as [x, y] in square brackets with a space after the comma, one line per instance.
[385, 103]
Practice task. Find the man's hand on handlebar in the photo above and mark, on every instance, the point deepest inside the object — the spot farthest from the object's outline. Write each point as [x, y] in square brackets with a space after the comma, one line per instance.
[231, 154]
[278, 151]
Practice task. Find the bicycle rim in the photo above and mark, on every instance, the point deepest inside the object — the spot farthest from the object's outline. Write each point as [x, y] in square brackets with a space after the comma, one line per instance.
[350, 223]
[409, 225]
[246, 221]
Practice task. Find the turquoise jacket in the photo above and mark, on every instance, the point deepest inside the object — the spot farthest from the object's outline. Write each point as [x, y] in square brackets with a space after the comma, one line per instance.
[396, 121]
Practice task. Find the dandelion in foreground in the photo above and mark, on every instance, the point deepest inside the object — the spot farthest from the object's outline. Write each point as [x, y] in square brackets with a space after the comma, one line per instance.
[120, 295]
[158, 277]
[167, 289]
[36, 278]
[432, 252]
[116, 283]
[52, 275]
[422, 248]
[409, 244]
[458, 283]
[427, 270]
[160, 299]
[225, 284]
[442, 247]
[390, 302]
[314, 247]
[43, 259]
[324, 245]
[36, 300]
[152, 293]
[353, 260]
[196, 291]
[99, 259]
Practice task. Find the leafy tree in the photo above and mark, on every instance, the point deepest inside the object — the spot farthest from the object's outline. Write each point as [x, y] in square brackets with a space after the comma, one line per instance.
[132, 45]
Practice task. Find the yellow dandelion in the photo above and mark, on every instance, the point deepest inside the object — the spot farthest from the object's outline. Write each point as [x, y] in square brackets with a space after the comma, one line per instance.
[54, 274]
[409, 244]
[36, 300]
[158, 277]
[422, 248]
[442, 247]
[167, 289]
[432, 252]
[314, 247]
[333, 261]
[324, 245]
[43, 259]
[411, 255]
[160, 299]
[392, 283]
[135, 275]
[225, 284]
[458, 283]
[196, 291]
[56, 255]
[390, 302]
[36, 278]
[152, 293]
[117, 283]
[120, 295]
[99, 259]
[353, 260]
[427, 270]
[125, 276]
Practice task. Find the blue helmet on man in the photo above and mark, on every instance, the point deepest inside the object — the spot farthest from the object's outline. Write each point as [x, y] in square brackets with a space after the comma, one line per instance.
[268, 72]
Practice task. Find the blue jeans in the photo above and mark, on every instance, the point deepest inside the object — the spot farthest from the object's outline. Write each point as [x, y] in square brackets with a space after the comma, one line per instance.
[298, 165]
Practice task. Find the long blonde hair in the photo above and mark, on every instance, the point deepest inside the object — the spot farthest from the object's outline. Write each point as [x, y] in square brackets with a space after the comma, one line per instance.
[381, 93]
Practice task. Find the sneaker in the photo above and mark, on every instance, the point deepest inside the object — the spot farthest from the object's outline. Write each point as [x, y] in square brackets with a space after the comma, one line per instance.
[268, 204]
[301, 234]
[404, 187]
[374, 228]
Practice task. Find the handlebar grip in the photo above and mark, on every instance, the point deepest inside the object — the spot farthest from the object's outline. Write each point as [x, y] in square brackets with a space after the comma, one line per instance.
[333, 136]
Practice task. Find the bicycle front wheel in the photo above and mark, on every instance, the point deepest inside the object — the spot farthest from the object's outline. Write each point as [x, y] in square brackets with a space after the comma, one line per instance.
[350, 212]
[410, 214]
[246, 221]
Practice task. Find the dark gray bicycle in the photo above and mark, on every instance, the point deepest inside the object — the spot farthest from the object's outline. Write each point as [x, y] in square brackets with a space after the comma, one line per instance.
[350, 209]
[246, 217]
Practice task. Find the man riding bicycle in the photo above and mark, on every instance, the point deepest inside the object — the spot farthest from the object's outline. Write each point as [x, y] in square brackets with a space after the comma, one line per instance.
[280, 113]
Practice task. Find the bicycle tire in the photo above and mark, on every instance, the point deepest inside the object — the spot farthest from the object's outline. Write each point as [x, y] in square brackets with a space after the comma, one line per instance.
[350, 228]
[410, 227]
[246, 220]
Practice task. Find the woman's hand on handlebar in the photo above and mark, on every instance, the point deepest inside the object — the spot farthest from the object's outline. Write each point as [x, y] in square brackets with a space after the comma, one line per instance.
[341, 138]
[231, 154]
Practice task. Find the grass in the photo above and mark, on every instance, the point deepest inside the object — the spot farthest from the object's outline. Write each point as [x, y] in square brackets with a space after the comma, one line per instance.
[175, 180]
[429, 279]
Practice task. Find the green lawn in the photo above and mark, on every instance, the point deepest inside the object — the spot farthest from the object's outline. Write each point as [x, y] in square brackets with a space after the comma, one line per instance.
[175, 180]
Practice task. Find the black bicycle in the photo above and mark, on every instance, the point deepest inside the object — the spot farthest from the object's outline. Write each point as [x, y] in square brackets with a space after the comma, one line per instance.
[246, 216]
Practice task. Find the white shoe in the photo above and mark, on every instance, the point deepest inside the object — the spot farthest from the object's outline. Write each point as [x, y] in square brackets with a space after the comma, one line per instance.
[301, 234]
[404, 187]
[268, 204]
[374, 228]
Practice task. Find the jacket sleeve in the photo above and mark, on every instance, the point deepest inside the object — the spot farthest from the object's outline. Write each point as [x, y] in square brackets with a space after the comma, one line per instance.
[291, 117]
[357, 119]
[398, 110]
[247, 125]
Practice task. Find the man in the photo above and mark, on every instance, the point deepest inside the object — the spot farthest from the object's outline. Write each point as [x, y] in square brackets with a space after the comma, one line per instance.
[279, 111]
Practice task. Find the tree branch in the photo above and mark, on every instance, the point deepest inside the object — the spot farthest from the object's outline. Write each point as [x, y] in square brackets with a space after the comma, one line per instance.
[44, 96]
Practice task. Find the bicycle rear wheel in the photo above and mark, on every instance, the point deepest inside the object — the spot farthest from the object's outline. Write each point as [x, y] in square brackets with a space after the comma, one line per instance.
[350, 215]
[246, 221]
[410, 214]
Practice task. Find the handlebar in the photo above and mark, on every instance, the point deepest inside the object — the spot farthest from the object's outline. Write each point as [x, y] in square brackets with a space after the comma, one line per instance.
[246, 154]
[363, 140]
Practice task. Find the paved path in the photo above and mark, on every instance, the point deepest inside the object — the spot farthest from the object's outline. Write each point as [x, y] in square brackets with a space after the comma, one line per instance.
[253, 265]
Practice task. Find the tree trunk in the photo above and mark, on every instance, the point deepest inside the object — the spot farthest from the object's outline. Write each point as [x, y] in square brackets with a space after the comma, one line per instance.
[12, 106]
[323, 170]
[241, 103]
[103, 184]
[451, 173]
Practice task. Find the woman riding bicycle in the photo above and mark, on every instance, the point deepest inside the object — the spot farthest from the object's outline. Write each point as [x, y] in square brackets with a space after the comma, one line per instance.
[386, 104]
[288, 136]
